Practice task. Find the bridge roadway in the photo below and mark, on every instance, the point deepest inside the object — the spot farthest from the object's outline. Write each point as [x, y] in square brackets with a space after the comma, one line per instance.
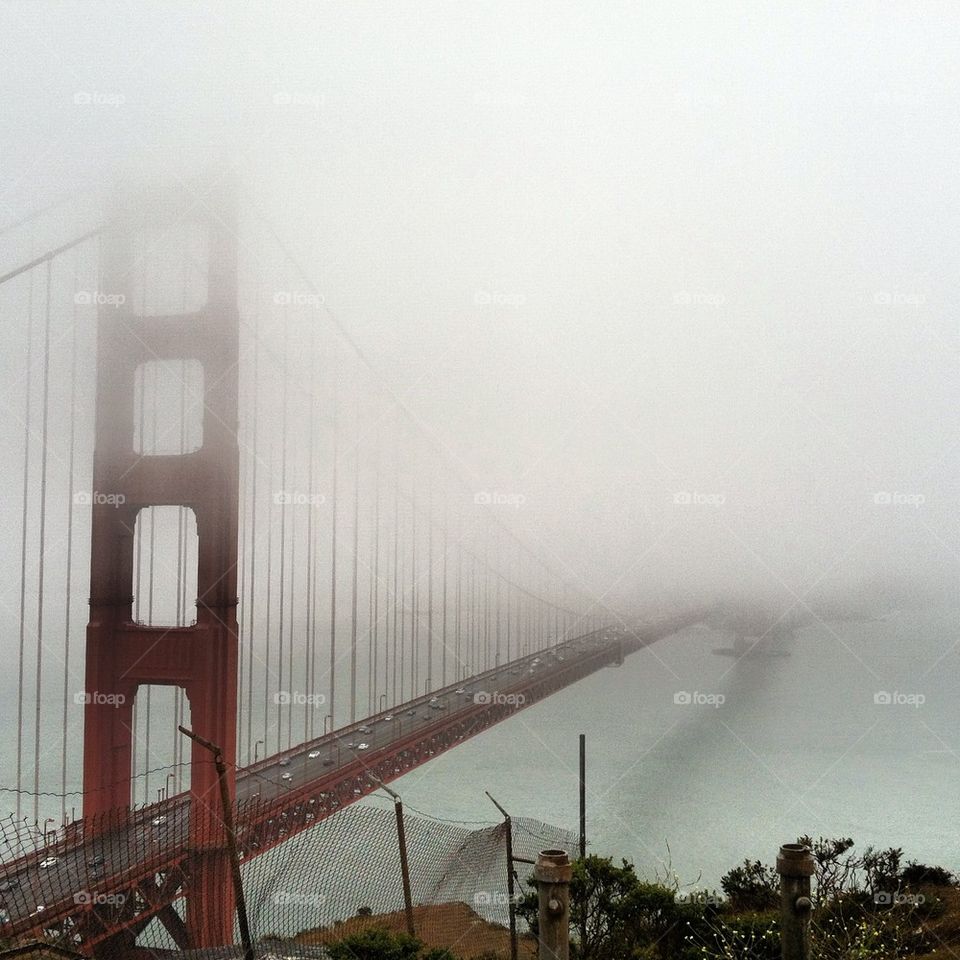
[91, 883]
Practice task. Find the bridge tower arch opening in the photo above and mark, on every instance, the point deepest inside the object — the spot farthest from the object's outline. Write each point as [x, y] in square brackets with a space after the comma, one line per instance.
[160, 759]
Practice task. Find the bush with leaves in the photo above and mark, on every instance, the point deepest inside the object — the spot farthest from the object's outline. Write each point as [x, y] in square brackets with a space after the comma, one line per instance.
[614, 915]
[752, 886]
[920, 875]
[377, 943]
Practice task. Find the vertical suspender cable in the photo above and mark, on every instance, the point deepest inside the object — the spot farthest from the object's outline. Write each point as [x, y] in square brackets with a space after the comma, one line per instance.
[496, 606]
[283, 526]
[458, 605]
[269, 606]
[414, 612]
[251, 598]
[41, 566]
[443, 626]
[375, 585]
[23, 538]
[429, 680]
[356, 559]
[68, 591]
[311, 596]
[396, 554]
[333, 554]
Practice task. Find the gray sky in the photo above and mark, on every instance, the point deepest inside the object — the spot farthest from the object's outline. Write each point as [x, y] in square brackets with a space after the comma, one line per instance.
[619, 256]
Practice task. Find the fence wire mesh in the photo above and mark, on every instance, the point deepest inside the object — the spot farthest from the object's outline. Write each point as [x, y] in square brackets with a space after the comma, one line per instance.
[311, 879]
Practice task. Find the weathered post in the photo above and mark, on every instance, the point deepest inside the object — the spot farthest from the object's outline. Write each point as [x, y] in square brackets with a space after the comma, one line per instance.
[226, 807]
[553, 872]
[402, 842]
[511, 877]
[583, 796]
[795, 864]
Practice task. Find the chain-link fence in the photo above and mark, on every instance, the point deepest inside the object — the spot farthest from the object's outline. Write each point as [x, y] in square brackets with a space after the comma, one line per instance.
[307, 885]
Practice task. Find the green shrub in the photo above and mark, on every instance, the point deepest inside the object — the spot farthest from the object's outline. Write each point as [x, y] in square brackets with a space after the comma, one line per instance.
[377, 943]
[752, 886]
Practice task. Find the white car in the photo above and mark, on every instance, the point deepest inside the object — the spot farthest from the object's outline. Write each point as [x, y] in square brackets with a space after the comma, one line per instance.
[159, 821]
[363, 746]
[388, 717]
[313, 754]
[460, 691]
[49, 862]
[286, 776]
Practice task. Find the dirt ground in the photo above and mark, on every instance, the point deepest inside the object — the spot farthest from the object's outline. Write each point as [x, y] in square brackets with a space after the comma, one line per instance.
[452, 925]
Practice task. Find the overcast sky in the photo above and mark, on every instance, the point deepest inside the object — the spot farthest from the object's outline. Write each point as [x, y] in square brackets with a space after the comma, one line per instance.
[682, 276]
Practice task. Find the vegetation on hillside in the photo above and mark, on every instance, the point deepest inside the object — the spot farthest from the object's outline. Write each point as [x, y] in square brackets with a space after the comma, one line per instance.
[867, 906]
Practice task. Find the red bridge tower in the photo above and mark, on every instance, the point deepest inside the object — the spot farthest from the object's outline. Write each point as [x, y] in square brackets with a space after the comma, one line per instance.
[122, 654]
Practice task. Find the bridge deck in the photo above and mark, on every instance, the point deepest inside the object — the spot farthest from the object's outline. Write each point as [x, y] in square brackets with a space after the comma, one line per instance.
[99, 879]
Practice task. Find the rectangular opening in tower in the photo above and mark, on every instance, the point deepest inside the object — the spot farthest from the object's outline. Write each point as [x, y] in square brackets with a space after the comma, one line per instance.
[165, 557]
[168, 407]
[160, 760]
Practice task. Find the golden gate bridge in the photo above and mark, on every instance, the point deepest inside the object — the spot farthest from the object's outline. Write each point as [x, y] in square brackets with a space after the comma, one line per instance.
[263, 542]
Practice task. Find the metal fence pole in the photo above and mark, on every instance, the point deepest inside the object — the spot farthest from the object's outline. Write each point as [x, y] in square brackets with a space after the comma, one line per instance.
[553, 873]
[795, 865]
[404, 864]
[583, 796]
[231, 838]
[511, 874]
[583, 830]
